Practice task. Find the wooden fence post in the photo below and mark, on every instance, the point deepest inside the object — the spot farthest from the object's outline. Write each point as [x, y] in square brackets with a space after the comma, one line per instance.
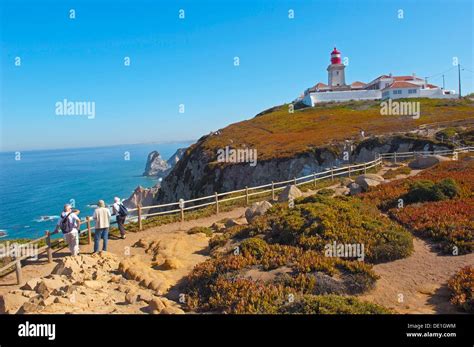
[217, 202]
[365, 168]
[246, 195]
[294, 182]
[181, 206]
[273, 191]
[314, 179]
[332, 174]
[349, 171]
[49, 249]
[140, 217]
[19, 275]
[395, 157]
[89, 230]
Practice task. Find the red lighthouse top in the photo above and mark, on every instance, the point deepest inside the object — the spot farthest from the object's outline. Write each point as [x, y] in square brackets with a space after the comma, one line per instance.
[335, 56]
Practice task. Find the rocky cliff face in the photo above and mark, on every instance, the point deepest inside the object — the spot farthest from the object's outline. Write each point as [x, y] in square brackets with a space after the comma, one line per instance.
[141, 196]
[198, 173]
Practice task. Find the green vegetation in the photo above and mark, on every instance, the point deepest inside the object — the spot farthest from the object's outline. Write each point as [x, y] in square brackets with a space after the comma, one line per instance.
[204, 230]
[426, 190]
[393, 173]
[333, 304]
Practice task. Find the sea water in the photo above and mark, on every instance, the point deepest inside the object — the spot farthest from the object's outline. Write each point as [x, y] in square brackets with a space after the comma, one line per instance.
[34, 188]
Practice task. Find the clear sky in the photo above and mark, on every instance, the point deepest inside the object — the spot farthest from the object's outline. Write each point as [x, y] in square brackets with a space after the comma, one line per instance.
[190, 61]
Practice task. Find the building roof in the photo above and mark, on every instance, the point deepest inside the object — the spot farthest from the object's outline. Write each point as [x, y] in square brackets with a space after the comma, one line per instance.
[320, 85]
[357, 84]
[406, 78]
[402, 84]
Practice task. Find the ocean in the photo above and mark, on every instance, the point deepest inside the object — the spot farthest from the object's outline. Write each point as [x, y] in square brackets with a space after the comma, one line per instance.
[42, 181]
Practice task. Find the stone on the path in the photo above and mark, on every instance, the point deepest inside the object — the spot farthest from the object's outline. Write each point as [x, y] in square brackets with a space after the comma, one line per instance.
[354, 188]
[290, 192]
[368, 180]
[257, 209]
[425, 162]
[11, 302]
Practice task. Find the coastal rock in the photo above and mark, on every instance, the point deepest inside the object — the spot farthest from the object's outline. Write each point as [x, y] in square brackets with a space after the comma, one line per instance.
[354, 188]
[155, 165]
[368, 180]
[159, 168]
[424, 162]
[141, 196]
[257, 209]
[290, 192]
[11, 302]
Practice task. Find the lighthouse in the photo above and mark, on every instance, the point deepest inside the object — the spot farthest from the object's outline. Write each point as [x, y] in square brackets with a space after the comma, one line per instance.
[336, 76]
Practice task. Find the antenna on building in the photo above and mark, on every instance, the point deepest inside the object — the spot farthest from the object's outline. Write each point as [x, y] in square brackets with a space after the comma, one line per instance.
[459, 79]
[443, 81]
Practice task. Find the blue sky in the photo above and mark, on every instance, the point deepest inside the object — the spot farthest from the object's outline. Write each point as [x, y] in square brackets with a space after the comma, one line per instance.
[191, 61]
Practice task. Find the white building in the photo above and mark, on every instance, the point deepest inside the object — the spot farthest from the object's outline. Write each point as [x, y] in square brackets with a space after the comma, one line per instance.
[383, 87]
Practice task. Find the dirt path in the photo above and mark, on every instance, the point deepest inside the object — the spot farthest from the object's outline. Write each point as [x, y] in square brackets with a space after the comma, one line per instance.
[417, 284]
[172, 233]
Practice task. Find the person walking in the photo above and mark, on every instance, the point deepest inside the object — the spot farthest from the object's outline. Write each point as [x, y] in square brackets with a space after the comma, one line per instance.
[69, 224]
[102, 224]
[121, 212]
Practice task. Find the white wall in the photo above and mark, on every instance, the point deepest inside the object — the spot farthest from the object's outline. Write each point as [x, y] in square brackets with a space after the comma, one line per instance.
[348, 95]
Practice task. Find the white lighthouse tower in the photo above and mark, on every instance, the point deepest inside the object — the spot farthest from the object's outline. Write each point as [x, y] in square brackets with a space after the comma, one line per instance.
[336, 76]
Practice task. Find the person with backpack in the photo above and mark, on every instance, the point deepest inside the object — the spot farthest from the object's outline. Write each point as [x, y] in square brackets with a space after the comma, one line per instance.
[121, 212]
[69, 224]
[102, 224]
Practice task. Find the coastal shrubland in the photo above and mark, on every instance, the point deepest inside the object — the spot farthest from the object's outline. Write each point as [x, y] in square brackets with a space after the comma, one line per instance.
[461, 286]
[278, 263]
[437, 204]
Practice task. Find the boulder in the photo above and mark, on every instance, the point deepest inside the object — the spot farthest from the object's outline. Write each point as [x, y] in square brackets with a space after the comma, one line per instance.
[131, 298]
[354, 188]
[218, 227]
[91, 284]
[345, 181]
[290, 192]
[171, 264]
[156, 305]
[10, 302]
[31, 284]
[48, 285]
[257, 209]
[172, 310]
[424, 162]
[230, 223]
[368, 180]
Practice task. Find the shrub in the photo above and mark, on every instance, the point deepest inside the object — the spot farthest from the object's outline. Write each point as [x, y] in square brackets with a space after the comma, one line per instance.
[462, 288]
[326, 192]
[448, 222]
[392, 173]
[254, 247]
[332, 304]
[424, 190]
[204, 230]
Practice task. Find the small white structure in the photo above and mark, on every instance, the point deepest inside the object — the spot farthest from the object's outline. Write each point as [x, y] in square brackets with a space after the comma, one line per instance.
[383, 87]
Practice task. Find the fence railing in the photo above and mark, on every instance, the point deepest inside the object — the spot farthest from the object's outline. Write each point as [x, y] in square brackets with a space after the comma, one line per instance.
[218, 198]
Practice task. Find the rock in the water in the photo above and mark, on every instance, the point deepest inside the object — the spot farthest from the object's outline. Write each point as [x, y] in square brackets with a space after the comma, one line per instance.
[155, 165]
[424, 162]
[354, 188]
[257, 209]
[368, 180]
[290, 192]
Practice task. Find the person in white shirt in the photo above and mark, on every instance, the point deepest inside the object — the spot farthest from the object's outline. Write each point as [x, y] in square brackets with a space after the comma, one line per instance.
[102, 224]
[69, 224]
[120, 217]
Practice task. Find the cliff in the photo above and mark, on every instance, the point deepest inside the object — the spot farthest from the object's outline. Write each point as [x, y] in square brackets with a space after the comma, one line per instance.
[306, 141]
[159, 168]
